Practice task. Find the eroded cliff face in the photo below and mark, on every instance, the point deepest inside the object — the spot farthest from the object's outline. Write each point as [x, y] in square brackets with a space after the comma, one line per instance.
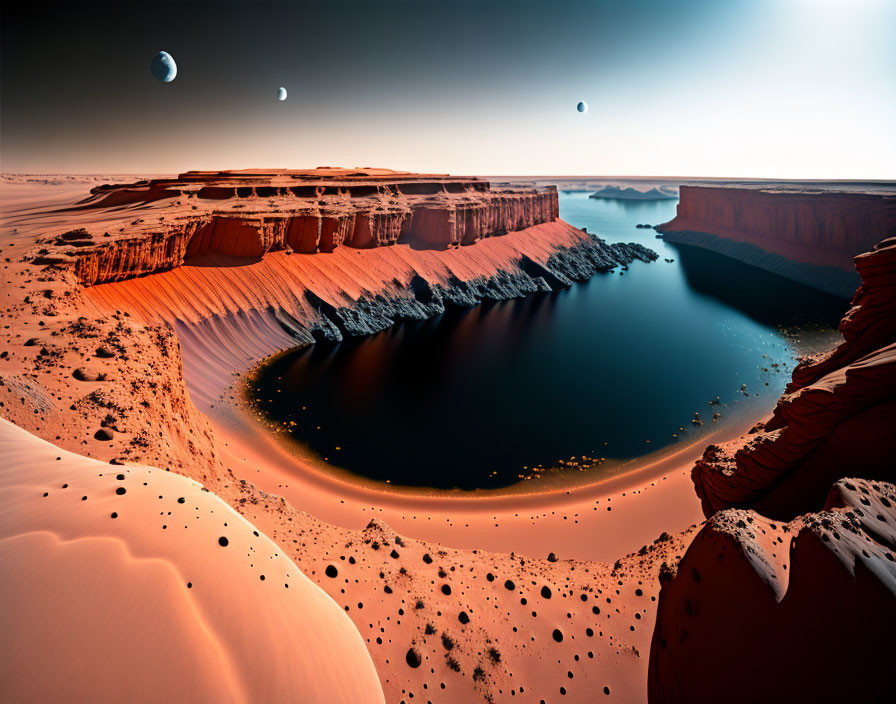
[869, 324]
[247, 214]
[762, 611]
[808, 237]
[795, 599]
[838, 414]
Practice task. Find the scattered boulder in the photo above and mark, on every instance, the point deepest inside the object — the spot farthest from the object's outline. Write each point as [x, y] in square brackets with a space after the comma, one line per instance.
[82, 374]
[413, 658]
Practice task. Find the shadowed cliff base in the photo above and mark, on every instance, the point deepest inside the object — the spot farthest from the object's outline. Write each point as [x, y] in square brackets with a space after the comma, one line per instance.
[829, 279]
[766, 297]
[810, 237]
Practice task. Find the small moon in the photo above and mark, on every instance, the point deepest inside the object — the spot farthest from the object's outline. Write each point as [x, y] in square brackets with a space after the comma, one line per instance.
[163, 67]
[281, 93]
[582, 106]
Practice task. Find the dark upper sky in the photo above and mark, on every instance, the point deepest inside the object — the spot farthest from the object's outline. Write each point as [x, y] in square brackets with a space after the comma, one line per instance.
[801, 88]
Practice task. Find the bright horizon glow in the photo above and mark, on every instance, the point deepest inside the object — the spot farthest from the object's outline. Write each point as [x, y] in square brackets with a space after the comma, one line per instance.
[799, 89]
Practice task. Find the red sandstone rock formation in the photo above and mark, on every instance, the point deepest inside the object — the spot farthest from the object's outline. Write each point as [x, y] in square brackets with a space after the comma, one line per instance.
[838, 416]
[870, 323]
[809, 237]
[163, 222]
[759, 611]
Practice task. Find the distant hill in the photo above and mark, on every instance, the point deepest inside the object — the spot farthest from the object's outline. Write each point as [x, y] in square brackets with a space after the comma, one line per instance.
[629, 193]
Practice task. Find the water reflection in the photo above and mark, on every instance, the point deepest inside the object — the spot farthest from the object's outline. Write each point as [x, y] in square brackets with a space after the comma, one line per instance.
[766, 298]
[614, 368]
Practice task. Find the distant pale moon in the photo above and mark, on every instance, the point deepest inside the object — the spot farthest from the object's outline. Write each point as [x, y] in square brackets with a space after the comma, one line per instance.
[163, 67]
[281, 93]
[582, 106]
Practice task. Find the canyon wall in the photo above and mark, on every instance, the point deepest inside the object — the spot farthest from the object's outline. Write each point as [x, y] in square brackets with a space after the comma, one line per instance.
[790, 576]
[247, 214]
[805, 236]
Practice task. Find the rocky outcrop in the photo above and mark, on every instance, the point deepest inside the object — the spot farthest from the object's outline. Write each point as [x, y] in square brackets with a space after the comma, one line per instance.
[838, 415]
[810, 237]
[805, 581]
[420, 299]
[870, 323]
[762, 611]
[247, 214]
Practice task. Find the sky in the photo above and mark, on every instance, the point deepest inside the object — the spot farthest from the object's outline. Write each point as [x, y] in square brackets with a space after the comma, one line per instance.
[740, 88]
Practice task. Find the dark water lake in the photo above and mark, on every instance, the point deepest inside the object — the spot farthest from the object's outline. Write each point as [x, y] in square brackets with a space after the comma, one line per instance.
[613, 368]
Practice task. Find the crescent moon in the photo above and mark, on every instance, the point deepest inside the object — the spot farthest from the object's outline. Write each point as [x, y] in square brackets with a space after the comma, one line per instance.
[163, 67]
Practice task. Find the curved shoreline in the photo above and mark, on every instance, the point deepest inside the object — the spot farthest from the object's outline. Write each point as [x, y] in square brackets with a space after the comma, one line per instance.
[224, 338]
[553, 480]
[238, 414]
[613, 516]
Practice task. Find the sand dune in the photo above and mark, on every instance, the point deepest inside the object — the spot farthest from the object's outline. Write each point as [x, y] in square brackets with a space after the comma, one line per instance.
[116, 587]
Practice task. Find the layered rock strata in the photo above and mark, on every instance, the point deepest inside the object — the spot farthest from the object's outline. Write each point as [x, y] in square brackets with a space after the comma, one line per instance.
[246, 214]
[810, 237]
[837, 415]
[763, 611]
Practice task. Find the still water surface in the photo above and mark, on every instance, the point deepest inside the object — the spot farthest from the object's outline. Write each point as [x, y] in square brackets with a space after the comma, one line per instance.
[613, 368]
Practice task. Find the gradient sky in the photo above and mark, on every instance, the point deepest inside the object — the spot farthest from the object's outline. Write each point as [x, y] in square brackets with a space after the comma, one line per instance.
[752, 88]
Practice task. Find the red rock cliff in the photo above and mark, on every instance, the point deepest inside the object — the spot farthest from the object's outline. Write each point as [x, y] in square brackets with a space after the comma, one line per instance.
[151, 226]
[810, 237]
[796, 600]
[838, 414]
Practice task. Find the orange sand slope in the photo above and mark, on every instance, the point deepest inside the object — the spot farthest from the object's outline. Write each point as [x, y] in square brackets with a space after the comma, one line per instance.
[116, 587]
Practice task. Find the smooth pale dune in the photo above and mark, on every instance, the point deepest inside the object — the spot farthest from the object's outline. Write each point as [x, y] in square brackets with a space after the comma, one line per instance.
[148, 605]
